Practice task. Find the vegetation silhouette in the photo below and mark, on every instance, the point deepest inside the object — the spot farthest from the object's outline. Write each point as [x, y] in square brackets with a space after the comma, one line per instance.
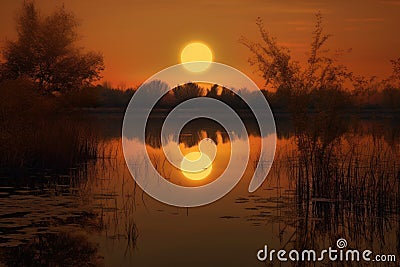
[39, 130]
[340, 179]
[46, 52]
[322, 83]
[346, 177]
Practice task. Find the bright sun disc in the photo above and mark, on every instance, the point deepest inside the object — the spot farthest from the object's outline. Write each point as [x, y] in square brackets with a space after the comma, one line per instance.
[199, 53]
[196, 166]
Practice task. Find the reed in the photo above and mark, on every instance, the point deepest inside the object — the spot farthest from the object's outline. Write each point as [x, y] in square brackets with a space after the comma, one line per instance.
[345, 186]
[36, 134]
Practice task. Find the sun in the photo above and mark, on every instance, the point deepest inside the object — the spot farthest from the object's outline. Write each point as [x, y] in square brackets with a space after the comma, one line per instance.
[199, 54]
[196, 166]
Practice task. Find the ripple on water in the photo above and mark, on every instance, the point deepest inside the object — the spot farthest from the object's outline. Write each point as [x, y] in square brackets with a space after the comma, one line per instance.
[26, 212]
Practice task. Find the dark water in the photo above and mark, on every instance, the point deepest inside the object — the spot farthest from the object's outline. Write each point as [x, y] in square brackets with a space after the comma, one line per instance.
[347, 187]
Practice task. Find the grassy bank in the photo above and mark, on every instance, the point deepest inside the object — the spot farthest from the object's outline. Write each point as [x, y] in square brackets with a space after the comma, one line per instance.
[37, 133]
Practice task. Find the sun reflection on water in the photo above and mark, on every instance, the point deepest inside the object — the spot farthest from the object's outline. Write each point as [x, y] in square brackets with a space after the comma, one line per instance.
[196, 166]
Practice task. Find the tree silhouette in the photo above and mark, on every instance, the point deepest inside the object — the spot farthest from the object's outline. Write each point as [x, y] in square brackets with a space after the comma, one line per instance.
[213, 92]
[284, 74]
[395, 77]
[45, 52]
[187, 91]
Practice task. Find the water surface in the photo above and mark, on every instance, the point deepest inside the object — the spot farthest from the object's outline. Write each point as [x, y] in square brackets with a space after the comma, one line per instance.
[309, 200]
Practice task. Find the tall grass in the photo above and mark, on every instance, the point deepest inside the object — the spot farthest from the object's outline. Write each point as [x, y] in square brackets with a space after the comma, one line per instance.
[347, 185]
[36, 133]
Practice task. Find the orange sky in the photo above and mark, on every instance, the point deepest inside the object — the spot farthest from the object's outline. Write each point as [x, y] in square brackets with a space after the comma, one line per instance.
[139, 38]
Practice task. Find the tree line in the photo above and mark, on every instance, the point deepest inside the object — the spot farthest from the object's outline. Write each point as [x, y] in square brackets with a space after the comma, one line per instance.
[46, 54]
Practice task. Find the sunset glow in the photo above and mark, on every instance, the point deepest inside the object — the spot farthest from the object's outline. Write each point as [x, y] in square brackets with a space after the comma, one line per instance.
[146, 46]
[199, 133]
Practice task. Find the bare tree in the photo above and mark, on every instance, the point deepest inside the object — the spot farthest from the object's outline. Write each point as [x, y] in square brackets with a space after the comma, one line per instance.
[272, 60]
[283, 73]
[317, 85]
[45, 51]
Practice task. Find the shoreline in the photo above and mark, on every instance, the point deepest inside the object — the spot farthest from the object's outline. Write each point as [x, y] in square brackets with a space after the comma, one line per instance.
[364, 113]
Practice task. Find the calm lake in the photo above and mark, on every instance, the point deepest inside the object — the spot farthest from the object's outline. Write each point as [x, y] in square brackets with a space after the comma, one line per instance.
[340, 184]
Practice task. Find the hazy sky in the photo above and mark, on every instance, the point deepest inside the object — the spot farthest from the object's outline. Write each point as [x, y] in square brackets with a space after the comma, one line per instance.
[139, 38]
